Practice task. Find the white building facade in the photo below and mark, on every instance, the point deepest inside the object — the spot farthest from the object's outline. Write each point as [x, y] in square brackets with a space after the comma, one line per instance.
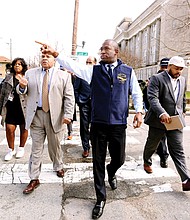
[162, 30]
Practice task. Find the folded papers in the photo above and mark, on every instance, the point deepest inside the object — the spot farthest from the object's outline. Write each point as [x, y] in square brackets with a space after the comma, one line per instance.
[176, 123]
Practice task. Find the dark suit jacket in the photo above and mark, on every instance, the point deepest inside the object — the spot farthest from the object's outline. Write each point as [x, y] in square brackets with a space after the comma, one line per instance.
[161, 99]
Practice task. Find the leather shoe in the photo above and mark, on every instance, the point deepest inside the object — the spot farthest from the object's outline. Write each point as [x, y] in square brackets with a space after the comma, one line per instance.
[147, 168]
[113, 182]
[85, 153]
[60, 173]
[98, 209]
[31, 186]
[69, 137]
[164, 163]
[186, 186]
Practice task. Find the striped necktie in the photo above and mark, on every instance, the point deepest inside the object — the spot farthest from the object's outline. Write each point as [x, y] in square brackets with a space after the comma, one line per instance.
[45, 101]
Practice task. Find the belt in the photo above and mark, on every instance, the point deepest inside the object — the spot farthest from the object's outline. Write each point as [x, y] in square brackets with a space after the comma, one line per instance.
[39, 108]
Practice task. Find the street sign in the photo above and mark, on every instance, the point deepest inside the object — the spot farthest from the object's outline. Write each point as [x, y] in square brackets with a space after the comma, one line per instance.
[82, 53]
[74, 57]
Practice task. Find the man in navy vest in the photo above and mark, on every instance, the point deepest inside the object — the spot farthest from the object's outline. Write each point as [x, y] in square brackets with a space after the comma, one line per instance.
[111, 82]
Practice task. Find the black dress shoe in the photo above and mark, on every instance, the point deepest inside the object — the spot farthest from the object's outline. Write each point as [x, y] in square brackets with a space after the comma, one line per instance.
[113, 182]
[164, 163]
[98, 209]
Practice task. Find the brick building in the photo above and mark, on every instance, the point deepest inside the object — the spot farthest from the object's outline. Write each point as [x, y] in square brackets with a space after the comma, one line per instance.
[162, 30]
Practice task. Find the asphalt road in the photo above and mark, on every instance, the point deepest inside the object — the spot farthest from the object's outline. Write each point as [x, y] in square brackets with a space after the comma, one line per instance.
[139, 195]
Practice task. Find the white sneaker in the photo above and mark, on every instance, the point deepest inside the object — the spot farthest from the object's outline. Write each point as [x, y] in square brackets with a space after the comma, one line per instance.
[20, 152]
[10, 154]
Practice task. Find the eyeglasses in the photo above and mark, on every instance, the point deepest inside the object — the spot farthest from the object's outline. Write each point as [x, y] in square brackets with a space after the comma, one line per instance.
[88, 62]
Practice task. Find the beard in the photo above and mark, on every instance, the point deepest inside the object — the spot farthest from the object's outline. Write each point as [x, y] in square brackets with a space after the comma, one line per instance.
[174, 76]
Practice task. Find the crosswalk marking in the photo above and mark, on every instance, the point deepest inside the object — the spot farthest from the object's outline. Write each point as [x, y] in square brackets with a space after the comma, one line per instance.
[18, 173]
[77, 172]
[162, 188]
[187, 128]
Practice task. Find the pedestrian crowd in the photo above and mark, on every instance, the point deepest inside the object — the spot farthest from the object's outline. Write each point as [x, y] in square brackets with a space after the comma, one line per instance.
[44, 98]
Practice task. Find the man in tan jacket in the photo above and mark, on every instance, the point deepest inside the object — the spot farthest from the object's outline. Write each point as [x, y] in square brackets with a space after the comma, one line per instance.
[46, 121]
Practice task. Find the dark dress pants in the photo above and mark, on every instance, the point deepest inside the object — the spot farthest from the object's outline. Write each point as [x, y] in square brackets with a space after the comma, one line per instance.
[162, 149]
[103, 136]
[85, 116]
[175, 147]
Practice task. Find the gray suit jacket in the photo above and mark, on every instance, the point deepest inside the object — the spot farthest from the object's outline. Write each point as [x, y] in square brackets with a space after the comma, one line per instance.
[61, 97]
[5, 90]
[161, 99]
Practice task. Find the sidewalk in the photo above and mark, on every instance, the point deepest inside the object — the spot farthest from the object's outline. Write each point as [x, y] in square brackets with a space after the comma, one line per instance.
[139, 196]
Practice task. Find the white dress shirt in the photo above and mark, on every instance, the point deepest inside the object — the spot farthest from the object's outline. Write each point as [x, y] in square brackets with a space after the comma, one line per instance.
[85, 72]
[51, 70]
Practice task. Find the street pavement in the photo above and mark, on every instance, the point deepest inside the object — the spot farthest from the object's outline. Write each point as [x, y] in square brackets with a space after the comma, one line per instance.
[139, 195]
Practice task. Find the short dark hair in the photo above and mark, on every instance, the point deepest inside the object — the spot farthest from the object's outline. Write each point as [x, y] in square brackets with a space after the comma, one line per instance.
[164, 61]
[8, 66]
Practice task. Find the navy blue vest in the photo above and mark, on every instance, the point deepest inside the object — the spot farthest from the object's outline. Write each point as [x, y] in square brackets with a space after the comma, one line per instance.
[110, 97]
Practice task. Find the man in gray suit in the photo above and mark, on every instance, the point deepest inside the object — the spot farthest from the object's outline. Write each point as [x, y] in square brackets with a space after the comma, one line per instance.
[46, 118]
[166, 95]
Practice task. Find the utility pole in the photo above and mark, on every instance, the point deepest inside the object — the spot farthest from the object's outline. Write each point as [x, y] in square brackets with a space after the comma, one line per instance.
[75, 28]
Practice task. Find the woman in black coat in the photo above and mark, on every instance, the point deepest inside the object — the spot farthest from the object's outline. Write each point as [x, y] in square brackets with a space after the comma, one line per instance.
[12, 107]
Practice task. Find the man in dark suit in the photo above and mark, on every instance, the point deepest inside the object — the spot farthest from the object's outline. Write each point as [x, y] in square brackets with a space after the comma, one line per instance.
[82, 96]
[166, 95]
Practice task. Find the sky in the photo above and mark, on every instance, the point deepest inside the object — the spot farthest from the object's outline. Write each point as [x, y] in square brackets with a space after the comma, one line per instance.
[51, 22]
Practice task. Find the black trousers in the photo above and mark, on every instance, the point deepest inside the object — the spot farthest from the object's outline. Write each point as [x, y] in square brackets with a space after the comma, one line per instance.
[103, 136]
[162, 149]
[85, 117]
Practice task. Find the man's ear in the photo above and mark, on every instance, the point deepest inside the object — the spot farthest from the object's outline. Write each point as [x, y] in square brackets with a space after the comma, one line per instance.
[116, 51]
